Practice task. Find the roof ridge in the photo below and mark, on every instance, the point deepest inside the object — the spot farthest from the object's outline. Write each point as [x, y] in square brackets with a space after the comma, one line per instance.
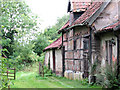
[90, 7]
[111, 24]
[54, 44]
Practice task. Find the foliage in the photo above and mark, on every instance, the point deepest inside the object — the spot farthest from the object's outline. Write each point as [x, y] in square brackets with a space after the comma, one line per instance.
[3, 68]
[16, 21]
[30, 79]
[44, 69]
[52, 32]
[108, 77]
[41, 58]
[84, 81]
[39, 44]
[95, 67]
[47, 71]
[23, 56]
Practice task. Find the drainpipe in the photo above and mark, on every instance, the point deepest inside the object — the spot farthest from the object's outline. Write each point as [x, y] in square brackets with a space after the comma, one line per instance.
[118, 52]
[63, 57]
[90, 53]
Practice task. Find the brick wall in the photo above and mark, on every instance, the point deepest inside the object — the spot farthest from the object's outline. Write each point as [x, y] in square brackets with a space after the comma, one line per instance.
[69, 64]
[74, 59]
[58, 62]
[69, 55]
[77, 66]
[47, 57]
[96, 48]
[119, 48]
[70, 44]
[51, 59]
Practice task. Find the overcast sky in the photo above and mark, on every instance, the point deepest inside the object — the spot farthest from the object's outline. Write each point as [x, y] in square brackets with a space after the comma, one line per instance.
[48, 10]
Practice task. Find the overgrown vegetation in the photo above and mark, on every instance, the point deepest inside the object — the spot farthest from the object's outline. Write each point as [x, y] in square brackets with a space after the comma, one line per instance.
[22, 44]
[108, 77]
[3, 80]
[21, 49]
[16, 21]
[29, 78]
[105, 76]
[50, 34]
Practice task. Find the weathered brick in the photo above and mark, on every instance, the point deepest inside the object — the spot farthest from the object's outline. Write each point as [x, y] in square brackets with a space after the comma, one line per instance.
[65, 37]
[65, 44]
[77, 65]
[70, 45]
[78, 54]
[47, 57]
[69, 65]
[78, 44]
[66, 65]
[70, 33]
[119, 47]
[69, 55]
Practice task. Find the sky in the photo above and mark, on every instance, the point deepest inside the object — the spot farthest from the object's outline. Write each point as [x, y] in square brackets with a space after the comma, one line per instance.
[48, 10]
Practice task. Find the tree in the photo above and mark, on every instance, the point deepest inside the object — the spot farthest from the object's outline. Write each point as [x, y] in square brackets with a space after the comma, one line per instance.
[52, 32]
[40, 43]
[3, 79]
[16, 20]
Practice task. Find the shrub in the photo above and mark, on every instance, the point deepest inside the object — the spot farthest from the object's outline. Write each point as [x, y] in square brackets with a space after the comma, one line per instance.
[108, 78]
[4, 82]
[84, 81]
[47, 71]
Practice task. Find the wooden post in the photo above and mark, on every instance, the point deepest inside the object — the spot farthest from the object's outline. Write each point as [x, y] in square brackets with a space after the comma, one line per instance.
[39, 68]
[8, 87]
[43, 69]
[63, 57]
[118, 53]
[14, 73]
[7, 73]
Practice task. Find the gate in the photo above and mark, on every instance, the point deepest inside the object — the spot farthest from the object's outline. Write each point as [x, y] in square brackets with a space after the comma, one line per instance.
[10, 73]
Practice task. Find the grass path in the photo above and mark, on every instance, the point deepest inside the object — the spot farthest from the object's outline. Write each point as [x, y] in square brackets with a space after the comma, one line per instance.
[29, 78]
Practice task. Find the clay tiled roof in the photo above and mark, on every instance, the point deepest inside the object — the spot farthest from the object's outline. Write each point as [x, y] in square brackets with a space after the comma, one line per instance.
[86, 15]
[89, 12]
[110, 27]
[65, 26]
[114, 25]
[55, 44]
[80, 5]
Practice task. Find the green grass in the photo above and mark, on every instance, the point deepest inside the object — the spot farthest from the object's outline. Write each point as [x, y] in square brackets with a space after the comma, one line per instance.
[29, 78]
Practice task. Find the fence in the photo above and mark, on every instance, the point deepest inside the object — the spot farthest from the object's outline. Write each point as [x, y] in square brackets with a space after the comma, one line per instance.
[10, 73]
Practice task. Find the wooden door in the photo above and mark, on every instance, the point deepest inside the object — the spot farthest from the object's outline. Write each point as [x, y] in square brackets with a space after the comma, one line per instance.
[63, 60]
[53, 61]
[86, 53]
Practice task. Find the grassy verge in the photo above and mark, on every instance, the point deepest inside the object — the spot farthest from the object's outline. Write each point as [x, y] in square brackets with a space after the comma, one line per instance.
[29, 78]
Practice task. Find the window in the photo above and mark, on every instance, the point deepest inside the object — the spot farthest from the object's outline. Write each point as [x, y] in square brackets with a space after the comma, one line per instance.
[75, 44]
[106, 44]
[77, 14]
[86, 44]
[109, 46]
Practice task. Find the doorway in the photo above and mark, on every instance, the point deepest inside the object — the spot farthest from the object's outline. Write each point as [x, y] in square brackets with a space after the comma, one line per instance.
[53, 61]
